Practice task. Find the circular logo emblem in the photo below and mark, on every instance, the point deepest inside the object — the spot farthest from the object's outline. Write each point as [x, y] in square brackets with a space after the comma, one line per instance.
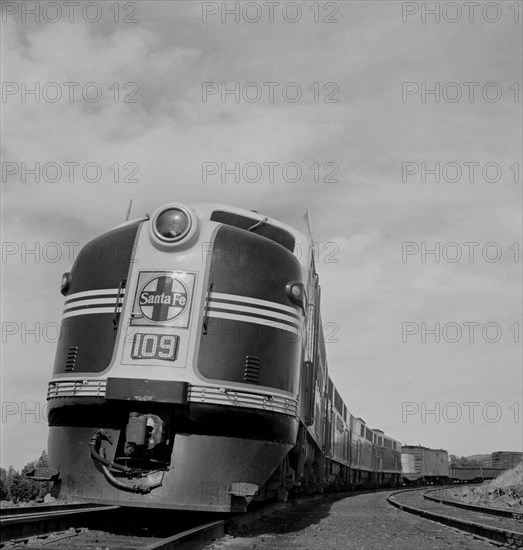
[163, 299]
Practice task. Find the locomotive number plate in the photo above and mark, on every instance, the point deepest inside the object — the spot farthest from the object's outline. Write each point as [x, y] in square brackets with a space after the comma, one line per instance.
[155, 346]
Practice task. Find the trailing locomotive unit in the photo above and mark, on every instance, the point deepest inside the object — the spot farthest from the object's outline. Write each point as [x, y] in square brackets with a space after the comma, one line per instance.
[191, 372]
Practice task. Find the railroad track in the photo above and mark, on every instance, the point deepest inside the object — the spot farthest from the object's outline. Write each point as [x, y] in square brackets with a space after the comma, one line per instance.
[501, 512]
[88, 526]
[498, 526]
[29, 521]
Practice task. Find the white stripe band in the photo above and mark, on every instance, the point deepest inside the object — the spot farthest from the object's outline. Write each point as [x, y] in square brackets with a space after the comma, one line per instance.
[245, 309]
[250, 319]
[255, 301]
[90, 311]
[84, 303]
[93, 293]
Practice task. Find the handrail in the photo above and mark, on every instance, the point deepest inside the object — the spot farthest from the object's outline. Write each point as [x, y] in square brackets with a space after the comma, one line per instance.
[116, 315]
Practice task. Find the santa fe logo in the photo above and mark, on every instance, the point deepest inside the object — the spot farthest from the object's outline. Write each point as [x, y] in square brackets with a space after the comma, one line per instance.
[163, 299]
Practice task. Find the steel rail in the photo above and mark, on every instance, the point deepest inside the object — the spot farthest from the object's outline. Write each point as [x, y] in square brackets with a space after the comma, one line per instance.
[192, 539]
[21, 523]
[491, 511]
[22, 510]
[496, 534]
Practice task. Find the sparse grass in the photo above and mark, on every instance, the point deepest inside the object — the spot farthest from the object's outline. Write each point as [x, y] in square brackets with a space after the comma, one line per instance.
[505, 491]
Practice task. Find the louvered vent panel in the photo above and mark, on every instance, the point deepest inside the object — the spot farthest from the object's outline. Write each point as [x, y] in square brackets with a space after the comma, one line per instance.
[251, 370]
[70, 360]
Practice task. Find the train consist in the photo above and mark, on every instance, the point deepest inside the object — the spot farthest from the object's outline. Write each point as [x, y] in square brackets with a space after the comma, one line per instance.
[191, 370]
[422, 465]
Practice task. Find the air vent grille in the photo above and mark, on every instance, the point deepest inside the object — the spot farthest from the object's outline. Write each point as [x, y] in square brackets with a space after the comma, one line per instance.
[251, 370]
[70, 360]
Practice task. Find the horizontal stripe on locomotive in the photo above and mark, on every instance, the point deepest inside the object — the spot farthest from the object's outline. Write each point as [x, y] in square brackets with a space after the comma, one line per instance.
[254, 310]
[196, 394]
[91, 311]
[274, 323]
[99, 293]
[93, 302]
[220, 297]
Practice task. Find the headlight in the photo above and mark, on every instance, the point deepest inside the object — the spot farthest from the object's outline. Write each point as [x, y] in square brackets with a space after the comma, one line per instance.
[173, 224]
[66, 283]
[296, 293]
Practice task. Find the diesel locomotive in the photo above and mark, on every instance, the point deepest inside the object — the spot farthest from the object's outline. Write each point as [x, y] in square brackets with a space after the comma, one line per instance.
[191, 371]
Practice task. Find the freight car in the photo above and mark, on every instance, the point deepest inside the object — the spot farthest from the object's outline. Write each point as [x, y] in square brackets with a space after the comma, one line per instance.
[424, 465]
[506, 459]
[191, 370]
[473, 474]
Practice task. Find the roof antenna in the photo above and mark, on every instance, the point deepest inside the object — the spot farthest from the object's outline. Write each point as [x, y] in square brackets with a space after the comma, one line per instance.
[307, 217]
[129, 210]
[309, 223]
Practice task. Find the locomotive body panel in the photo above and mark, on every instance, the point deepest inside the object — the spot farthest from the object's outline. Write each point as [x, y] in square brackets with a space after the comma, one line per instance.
[254, 334]
[95, 294]
[193, 483]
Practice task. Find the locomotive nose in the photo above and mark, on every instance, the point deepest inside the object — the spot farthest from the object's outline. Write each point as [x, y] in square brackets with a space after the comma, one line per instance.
[172, 226]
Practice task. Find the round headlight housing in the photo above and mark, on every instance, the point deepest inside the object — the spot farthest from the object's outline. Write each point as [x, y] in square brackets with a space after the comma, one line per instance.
[296, 293]
[173, 224]
[65, 284]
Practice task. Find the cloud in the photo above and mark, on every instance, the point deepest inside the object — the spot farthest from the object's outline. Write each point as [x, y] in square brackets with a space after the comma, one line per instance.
[163, 140]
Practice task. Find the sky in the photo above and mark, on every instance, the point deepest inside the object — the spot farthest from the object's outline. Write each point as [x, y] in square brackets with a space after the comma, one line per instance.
[398, 124]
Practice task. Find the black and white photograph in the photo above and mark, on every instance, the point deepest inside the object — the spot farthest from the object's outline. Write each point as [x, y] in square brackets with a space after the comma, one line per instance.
[261, 275]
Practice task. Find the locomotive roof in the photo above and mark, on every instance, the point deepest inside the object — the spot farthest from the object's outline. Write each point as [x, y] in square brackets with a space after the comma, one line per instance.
[303, 244]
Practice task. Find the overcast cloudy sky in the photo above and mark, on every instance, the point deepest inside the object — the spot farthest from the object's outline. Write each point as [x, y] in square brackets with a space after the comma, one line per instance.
[366, 127]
